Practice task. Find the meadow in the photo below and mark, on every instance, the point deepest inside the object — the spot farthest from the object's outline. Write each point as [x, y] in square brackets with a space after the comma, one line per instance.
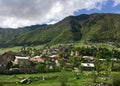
[85, 79]
[77, 44]
[12, 80]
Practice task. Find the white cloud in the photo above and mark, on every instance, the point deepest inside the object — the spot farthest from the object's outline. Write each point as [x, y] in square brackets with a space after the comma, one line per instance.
[116, 2]
[17, 13]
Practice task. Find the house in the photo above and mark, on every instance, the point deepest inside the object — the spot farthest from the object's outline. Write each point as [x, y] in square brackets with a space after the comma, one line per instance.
[88, 66]
[72, 53]
[55, 51]
[6, 60]
[76, 53]
[88, 58]
[22, 62]
[37, 59]
[18, 59]
[55, 58]
[44, 52]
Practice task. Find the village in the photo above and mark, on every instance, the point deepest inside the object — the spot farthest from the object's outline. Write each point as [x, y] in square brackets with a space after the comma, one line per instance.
[54, 59]
[63, 57]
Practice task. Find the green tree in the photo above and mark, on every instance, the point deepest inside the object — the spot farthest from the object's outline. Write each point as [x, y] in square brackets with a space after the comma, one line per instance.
[40, 68]
[108, 65]
[116, 80]
[62, 63]
[98, 63]
[76, 61]
[24, 64]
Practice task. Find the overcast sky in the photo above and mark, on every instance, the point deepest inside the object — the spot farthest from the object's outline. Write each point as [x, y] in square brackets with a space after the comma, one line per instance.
[19, 13]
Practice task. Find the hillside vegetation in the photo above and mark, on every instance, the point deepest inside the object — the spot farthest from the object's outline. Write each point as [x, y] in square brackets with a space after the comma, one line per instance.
[92, 28]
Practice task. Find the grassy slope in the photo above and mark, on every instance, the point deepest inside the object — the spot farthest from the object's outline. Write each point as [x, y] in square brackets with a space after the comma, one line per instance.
[72, 80]
[85, 79]
[77, 44]
[6, 35]
[94, 27]
[43, 34]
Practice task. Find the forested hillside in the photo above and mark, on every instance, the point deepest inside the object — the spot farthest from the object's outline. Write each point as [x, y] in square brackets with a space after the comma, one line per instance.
[93, 27]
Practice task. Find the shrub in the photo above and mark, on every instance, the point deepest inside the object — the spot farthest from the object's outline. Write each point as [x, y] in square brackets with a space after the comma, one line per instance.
[40, 68]
[116, 67]
[116, 80]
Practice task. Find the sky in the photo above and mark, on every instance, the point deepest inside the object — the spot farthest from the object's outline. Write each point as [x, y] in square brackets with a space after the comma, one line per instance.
[20, 13]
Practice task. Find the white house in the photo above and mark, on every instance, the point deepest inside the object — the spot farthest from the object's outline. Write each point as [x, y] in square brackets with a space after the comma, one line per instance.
[18, 58]
[87, 65]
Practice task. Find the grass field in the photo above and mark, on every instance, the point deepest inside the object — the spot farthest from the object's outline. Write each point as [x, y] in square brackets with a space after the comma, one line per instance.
[14, 49]
[77, 44]
[18, 48]
[12, 80]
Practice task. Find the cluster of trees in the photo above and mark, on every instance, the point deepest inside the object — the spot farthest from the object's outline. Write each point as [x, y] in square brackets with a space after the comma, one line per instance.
[104, 52]
[27, 51]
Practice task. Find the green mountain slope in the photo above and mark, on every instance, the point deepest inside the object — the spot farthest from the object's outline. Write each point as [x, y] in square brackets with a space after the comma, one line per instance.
[94, 27]
[8, 34]
[44, 34]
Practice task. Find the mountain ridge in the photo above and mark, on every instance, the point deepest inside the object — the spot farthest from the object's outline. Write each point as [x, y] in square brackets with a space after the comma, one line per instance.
[98, 27]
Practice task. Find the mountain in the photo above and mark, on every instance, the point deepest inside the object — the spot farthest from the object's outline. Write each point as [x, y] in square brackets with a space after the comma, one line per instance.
[93, 27]
[8, 34]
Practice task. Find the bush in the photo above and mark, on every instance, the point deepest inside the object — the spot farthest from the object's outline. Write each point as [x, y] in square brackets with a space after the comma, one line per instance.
[116, 67]
[116, 80]
[1, 84]
[40, 68]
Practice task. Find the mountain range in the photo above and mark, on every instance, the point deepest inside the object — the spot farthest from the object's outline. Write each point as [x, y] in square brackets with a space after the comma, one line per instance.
[86, 27]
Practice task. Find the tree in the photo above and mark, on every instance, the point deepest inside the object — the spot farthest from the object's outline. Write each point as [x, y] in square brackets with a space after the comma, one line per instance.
[116, 80]
[76, 61]
[40, 68]
[98, 64]
[24, 64]
[116, 54]
[94, 77]
[62, 62]
[98, 68]
[108, 65]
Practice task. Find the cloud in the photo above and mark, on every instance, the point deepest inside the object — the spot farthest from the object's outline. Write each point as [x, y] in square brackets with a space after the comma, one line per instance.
[18, 13]
[116, 2]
